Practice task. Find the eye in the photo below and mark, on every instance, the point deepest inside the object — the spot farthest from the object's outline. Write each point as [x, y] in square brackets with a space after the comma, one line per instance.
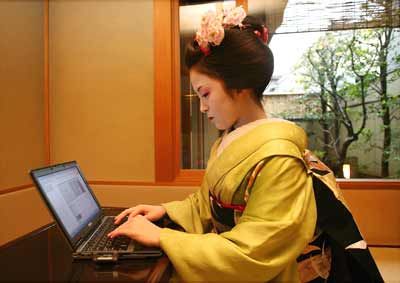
[205, 94]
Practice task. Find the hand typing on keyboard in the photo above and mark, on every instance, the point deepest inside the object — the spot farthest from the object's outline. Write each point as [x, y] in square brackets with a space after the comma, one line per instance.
[151, 212]
[140, 229]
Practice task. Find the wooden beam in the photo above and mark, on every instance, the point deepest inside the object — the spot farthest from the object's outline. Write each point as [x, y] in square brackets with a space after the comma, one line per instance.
[243, 3]
[163, 101]
[46, 83]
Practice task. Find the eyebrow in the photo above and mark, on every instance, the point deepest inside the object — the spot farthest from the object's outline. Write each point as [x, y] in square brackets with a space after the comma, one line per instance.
[198, 89]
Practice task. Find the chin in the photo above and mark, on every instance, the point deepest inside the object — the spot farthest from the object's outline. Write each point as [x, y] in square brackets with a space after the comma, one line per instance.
[222, 127]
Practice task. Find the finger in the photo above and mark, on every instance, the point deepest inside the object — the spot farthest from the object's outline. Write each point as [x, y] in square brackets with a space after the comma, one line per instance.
[139, 210]
[112, 234]
[122, 215]
[153, 216]
[115, 233]
[138, 216]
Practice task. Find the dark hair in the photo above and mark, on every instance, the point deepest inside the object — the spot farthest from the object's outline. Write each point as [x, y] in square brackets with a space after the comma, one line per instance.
[241, 61]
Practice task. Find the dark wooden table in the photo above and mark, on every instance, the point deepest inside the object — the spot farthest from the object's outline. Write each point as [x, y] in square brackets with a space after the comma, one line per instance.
[44, 255]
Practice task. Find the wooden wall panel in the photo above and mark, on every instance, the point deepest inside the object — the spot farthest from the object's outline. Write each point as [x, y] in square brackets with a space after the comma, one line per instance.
[127, 196]
[21, 91]
[21, 212]
[101, 87]
[377, 214]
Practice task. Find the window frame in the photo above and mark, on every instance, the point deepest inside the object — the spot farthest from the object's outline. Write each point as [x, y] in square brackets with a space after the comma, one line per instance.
[167, 97]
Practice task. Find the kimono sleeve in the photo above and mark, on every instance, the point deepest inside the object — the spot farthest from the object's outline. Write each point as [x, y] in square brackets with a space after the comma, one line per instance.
[278, 222]
[192, 213]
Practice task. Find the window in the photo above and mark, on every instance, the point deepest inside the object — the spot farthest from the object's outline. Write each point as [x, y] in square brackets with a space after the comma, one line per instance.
[351, 115]
[198, 133]
[337, 89]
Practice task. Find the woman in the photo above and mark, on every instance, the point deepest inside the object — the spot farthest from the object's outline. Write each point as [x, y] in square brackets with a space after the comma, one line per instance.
[255, 211]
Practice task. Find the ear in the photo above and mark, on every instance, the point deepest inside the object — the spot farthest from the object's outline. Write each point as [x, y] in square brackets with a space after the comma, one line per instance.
[234, 93]
[239, 91]
[243, 92]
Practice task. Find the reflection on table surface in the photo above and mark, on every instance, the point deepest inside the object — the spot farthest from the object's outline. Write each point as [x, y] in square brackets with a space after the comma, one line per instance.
[152, 270]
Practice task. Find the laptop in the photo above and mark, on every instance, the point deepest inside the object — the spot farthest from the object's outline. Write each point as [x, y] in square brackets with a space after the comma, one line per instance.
[79, 215]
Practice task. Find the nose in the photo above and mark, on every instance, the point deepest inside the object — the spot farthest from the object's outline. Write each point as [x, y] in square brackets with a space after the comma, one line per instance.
[203, 107]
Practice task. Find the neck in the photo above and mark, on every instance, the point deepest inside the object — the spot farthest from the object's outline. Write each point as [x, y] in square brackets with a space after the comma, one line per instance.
[251, 114]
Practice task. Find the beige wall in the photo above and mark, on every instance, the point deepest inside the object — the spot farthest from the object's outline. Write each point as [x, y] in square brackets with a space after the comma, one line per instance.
[21, 91]
[101, 88]
[101, 96]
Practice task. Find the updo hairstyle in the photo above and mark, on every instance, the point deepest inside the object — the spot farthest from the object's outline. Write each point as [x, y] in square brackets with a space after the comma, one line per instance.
[241, 61]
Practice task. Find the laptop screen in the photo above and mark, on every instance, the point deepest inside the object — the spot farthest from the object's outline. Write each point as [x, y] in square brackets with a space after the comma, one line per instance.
[70, 198]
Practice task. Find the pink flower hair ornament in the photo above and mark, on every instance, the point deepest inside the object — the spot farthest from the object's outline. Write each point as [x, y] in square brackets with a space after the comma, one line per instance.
[211, 31]
[264, 35]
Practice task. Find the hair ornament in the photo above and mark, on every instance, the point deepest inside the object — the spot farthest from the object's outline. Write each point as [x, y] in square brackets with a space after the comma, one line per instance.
[206, 50]
[264, 35]
[234, 16]
[211, 31]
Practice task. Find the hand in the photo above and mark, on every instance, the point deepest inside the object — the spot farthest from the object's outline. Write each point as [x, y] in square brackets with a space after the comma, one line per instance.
[151, 212]
[140, 229]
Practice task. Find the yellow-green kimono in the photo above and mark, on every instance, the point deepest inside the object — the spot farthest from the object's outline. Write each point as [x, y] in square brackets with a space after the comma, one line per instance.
[273, 229]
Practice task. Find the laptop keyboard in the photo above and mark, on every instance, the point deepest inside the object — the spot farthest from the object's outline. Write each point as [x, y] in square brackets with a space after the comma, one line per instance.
[100, 241]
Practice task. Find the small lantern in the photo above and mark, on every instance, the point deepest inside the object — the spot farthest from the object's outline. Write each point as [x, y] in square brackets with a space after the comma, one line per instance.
[346, 171]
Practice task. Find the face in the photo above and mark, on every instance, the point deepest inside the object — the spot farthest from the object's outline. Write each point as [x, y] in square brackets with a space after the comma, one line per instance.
[221, 108]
